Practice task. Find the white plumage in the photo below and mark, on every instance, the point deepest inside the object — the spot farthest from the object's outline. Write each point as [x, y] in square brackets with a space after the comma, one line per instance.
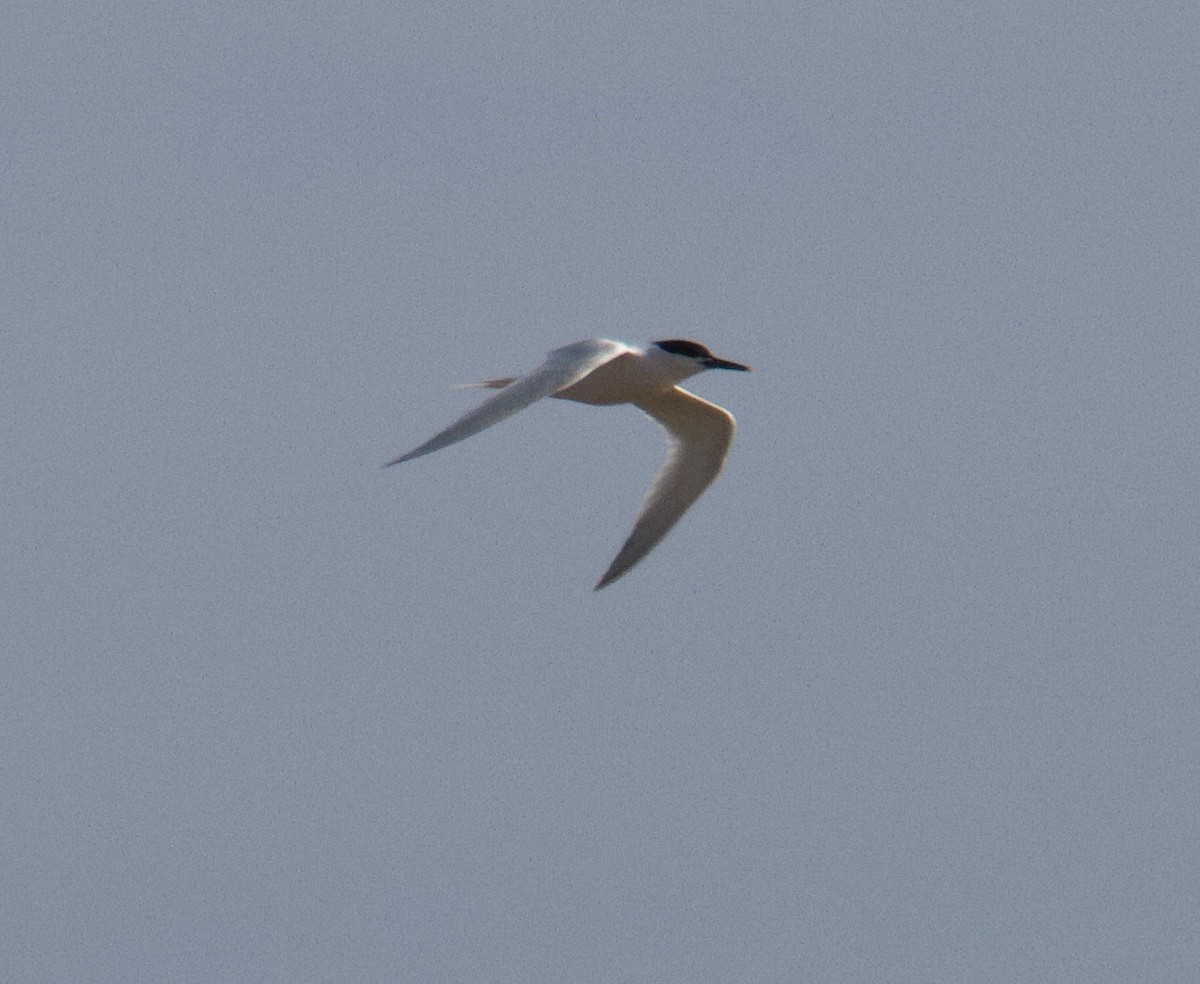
[603, 372]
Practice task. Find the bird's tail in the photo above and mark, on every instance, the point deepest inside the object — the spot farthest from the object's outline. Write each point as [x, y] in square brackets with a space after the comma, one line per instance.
[492, 384]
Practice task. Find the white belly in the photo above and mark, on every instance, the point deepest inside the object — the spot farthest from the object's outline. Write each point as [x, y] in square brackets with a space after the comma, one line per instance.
[622, 380]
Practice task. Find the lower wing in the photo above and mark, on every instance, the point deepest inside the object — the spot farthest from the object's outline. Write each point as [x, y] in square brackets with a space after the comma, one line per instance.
[700, 434]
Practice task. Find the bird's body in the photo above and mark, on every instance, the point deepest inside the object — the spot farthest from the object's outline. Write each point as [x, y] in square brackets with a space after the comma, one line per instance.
[603, 373]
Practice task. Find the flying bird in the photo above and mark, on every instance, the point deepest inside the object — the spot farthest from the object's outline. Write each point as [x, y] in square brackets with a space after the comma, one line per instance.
[604, 373]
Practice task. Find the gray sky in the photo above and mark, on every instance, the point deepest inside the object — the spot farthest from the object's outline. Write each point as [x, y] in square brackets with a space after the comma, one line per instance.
[910, 695]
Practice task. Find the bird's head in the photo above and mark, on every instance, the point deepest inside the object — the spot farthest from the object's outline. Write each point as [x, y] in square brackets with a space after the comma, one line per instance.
[696, 353]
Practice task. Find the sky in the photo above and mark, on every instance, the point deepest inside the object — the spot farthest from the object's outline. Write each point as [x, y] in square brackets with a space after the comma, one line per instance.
[909, 695]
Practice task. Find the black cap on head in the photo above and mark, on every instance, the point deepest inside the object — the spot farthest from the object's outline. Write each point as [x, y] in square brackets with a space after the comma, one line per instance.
[694, 350]
[681, 346]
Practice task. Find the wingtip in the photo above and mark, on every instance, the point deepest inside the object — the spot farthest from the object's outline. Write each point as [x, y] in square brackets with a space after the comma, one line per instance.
[608, 578]
[405, 457]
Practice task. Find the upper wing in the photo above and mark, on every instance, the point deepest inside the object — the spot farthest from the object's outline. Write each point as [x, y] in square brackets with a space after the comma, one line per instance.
[562, 367]
[700, 433]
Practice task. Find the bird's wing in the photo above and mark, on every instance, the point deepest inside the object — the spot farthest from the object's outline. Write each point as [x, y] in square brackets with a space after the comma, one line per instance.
[562, 367]
[700, 434]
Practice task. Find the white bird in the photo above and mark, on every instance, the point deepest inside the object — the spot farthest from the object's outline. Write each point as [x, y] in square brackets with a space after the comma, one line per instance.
[603, 372]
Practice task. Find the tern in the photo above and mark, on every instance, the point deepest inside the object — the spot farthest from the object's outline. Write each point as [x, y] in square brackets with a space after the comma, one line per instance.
[605, 373]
